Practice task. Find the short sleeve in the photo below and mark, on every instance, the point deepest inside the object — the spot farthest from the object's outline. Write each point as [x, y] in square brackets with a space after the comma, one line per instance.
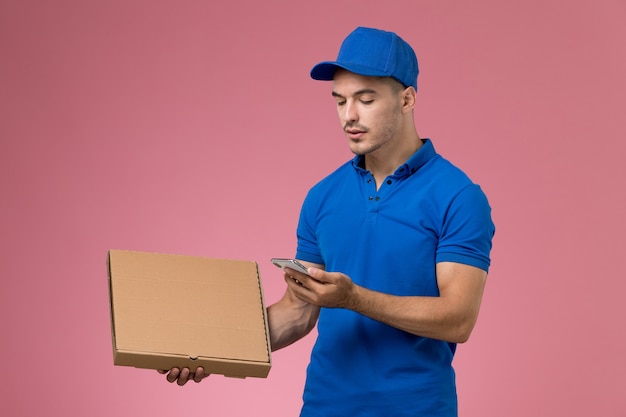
[467, 230]
[308, 249]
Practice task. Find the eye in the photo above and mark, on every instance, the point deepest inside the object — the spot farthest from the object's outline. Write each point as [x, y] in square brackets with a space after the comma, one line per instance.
[367, 101]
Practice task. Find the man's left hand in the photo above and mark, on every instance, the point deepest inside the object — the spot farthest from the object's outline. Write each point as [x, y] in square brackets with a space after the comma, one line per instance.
[322, 288]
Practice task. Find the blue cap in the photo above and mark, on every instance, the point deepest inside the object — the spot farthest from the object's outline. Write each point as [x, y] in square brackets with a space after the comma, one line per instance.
[373, 53]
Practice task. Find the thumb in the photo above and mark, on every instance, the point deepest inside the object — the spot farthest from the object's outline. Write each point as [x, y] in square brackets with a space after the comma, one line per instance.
[317, 274]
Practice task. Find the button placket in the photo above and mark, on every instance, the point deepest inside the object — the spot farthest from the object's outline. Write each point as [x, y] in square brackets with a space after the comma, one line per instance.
[371, 188]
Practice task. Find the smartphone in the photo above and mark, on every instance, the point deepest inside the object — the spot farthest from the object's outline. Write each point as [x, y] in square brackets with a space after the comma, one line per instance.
[283, 263]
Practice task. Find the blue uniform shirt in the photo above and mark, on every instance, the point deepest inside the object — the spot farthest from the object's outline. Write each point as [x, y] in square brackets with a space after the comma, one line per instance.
[388, 240]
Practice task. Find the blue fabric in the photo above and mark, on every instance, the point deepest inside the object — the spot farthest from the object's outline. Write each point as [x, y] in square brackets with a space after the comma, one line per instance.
[375, 53]
[390, 241]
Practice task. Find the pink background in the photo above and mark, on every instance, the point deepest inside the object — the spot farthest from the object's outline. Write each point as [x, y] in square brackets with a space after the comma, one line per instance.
[193, 127]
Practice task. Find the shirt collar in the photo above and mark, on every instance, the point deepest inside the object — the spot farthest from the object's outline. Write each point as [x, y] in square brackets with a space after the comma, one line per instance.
[424, 154]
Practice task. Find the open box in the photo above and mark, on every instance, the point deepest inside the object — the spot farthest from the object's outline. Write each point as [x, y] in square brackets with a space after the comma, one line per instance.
[184, 311]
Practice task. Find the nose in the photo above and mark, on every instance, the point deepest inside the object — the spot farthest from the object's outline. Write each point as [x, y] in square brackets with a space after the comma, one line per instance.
[350, 113]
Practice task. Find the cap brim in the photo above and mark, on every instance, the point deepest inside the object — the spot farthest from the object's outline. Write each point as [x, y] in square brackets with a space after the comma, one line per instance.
[325, 71]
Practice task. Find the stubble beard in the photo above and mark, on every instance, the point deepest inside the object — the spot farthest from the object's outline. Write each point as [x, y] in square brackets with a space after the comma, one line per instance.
[385, 136]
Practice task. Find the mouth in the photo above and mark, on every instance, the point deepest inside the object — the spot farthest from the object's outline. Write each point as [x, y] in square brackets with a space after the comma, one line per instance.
[355, 134]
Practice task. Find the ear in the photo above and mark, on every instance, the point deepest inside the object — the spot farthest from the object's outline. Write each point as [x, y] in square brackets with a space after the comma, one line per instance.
[408, 99]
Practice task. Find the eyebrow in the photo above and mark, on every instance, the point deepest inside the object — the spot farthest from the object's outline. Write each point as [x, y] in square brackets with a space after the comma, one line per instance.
[357, 93]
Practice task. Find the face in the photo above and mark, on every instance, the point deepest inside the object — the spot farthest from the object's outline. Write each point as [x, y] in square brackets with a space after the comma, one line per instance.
[369, 109]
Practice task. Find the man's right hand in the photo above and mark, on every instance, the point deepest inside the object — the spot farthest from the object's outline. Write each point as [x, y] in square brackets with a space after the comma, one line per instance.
[181, 376]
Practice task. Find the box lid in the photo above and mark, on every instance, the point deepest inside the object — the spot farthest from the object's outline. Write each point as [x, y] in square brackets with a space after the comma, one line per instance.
[174, 310]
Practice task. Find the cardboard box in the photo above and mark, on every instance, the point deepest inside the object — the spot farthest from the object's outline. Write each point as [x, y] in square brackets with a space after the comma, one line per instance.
[184, 311]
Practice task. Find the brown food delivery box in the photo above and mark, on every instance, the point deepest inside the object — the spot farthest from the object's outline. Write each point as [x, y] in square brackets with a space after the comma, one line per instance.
[185, 311]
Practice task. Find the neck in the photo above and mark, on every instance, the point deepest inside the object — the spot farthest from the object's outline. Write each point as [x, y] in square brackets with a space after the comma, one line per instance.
[384, 162]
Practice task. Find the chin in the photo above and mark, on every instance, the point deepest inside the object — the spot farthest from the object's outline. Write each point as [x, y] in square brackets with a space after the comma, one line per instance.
[357, 151]
[362, 150]
[358, 148]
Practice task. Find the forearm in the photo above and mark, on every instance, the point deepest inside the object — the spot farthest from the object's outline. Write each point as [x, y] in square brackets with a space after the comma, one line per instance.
[451, 316]
[433, 317]
[290, 320]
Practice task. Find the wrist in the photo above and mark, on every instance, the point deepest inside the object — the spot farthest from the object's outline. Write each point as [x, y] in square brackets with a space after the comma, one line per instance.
[355, 298]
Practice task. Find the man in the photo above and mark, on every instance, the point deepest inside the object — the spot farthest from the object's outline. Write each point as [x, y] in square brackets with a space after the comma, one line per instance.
[397, 245]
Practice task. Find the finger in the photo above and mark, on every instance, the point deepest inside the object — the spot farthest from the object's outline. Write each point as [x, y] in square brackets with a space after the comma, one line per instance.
[199, 375]
[319, 275]
[173, 375]
[183, 377]
[295, 283]
[162, 371]
[314, 276]
[295, 273]
[291, 279]
[306, 282]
